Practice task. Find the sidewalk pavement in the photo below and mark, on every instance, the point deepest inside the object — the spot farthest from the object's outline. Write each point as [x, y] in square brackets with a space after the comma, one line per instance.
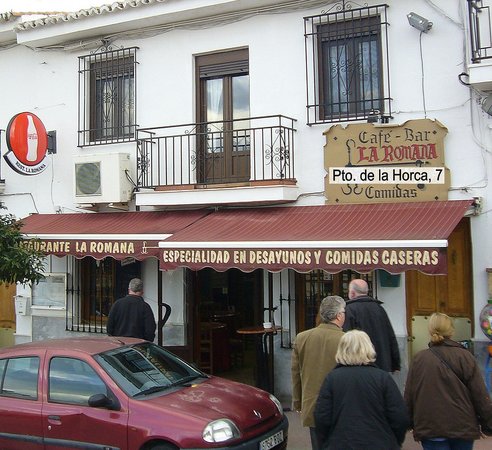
[299, 437]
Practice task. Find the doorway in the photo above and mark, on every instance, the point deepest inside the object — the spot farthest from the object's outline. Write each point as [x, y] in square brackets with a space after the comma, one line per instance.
[451, 294]
[225, 302]
[7, 314]
[223, 112]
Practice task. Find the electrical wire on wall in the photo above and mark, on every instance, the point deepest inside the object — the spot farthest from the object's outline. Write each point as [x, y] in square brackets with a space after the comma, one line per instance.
[423, 25]
[422, 72]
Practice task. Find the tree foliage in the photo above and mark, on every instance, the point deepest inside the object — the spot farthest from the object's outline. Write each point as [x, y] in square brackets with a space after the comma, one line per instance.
[19, 263]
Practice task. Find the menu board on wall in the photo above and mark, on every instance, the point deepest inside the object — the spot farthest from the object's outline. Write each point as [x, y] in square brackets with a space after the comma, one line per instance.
[50, 291]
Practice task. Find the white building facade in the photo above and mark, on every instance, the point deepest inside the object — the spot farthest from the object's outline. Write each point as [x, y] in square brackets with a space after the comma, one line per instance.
[188, 131]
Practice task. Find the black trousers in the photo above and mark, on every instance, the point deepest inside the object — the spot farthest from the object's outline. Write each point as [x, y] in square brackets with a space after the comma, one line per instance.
[314, 439]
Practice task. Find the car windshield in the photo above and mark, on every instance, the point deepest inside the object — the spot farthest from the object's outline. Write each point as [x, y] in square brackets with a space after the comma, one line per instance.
[146, 368]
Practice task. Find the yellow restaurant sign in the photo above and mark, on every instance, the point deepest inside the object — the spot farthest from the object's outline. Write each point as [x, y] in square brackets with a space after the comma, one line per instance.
[118, 249]
[393, 260]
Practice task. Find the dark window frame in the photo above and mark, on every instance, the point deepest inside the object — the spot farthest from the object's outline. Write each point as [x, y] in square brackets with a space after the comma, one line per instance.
[108, 97]
[313, 286]
[92, 288]
[352, 29]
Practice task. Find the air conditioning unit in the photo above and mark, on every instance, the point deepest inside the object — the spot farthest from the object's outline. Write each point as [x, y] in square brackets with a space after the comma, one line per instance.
[102, 178]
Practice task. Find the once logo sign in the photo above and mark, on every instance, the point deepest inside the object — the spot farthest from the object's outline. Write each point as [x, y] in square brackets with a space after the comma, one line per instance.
[27, 142]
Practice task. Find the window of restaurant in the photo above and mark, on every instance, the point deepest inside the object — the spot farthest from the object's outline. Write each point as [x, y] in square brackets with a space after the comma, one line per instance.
[93, 288]
[312, 287]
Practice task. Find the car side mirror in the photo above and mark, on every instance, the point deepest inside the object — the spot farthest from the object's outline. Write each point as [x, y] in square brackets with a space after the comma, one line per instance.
[102, 401]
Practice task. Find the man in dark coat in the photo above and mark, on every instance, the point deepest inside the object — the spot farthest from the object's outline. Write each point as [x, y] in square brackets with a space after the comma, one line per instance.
[131, 316]
[365, 313]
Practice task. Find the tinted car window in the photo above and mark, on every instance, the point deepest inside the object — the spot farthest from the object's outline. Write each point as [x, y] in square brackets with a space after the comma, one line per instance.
[20, 377]
[3, 364]
[145, 368]
[73, 381]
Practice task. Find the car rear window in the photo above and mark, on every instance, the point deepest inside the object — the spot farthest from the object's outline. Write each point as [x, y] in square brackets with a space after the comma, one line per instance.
[20, 377]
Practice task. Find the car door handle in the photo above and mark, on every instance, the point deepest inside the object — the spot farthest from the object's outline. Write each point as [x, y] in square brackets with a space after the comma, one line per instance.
[54, 420]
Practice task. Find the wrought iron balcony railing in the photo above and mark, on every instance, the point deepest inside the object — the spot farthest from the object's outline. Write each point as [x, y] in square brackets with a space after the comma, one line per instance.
[235, 151]
[480, 31]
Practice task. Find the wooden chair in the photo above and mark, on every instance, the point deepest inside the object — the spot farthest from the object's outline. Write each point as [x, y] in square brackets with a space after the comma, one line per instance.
[206, 357]
[235, 342]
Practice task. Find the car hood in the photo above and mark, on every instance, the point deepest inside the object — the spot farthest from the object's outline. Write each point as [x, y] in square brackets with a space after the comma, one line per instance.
[218, 398]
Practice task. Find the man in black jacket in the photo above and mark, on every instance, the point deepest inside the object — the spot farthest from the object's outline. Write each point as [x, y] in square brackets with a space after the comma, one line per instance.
[363, 312]
[131, 316]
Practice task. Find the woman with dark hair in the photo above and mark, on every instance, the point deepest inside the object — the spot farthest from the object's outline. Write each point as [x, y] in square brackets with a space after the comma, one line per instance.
[445, 392]
[359, 406]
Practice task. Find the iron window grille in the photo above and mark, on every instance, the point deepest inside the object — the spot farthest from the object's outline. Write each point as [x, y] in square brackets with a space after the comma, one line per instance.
[347, 64]
[107, 97]
[92, 288]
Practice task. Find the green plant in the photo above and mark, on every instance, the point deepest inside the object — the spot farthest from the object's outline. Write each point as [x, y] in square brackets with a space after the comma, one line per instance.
[19, 261]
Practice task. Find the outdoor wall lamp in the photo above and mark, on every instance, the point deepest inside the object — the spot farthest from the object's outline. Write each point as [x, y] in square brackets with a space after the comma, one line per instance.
[419, 22]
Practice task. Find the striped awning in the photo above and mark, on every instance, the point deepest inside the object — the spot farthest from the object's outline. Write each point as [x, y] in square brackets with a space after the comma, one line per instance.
[119, 235]
[392, 236]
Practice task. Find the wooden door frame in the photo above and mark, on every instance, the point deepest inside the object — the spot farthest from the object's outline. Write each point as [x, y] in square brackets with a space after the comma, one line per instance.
[441, 284]
[7, 309]
[220, 64]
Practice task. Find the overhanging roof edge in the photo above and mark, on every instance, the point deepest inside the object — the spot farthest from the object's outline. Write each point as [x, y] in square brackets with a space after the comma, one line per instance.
[438, 243]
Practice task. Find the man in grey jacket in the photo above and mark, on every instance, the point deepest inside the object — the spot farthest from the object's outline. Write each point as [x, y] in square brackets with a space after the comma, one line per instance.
[313, 357]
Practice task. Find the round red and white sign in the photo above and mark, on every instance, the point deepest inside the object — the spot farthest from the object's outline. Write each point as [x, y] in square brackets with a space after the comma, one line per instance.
[27, 142]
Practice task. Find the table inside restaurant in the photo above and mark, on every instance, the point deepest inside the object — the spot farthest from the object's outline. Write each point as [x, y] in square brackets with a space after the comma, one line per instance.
[228, 318]
[264, 354]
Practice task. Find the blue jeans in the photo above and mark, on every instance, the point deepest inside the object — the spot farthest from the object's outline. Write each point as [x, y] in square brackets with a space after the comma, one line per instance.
[447, 444]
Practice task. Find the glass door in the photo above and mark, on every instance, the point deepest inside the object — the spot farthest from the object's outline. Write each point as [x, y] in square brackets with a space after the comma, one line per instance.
[224, 96]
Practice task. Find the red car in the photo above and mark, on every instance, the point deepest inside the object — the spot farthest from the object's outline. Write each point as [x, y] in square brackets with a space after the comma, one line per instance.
[123, 393]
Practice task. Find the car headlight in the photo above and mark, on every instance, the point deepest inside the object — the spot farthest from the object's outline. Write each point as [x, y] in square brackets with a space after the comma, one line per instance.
[220, 430]
[277, 403]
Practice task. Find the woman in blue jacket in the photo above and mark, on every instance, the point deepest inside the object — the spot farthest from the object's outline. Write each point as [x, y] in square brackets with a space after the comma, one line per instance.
[360, 406]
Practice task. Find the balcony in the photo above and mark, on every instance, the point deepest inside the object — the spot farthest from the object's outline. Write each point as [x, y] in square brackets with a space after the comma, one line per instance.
[241, 161]
[480, 37]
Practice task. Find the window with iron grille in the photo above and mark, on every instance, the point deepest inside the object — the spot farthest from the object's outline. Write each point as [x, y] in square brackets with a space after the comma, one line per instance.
[92, 288]
[107, 97]
[347, 64]
[313, 286]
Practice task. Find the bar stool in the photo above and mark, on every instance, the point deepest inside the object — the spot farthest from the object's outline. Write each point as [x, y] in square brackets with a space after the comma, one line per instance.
[488, 369]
